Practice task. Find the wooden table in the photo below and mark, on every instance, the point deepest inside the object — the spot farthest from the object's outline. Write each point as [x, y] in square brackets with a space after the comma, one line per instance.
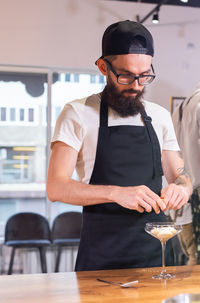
[83, 286]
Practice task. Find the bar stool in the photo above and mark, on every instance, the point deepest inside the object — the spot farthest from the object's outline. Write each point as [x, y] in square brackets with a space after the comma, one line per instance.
[27, 230]
[65, 232]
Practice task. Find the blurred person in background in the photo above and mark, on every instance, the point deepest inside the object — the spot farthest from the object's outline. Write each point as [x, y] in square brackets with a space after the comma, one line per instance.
[186, 119]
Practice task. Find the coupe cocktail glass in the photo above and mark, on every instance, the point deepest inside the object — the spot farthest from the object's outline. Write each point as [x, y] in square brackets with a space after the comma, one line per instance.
[163, 231]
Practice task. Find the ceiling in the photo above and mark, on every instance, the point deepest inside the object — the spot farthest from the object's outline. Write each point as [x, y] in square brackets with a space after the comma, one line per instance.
[191, 3]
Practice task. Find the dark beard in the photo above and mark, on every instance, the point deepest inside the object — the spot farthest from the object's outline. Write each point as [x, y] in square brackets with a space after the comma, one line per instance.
[124, 106]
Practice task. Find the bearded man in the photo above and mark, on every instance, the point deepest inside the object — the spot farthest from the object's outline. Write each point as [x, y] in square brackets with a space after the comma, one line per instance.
[116, 141]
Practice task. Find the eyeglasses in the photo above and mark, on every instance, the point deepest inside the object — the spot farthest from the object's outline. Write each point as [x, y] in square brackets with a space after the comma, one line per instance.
[126, 79]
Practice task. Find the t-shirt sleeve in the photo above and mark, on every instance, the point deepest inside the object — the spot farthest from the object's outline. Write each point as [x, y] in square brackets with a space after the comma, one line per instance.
[68, 128]
[169, 136]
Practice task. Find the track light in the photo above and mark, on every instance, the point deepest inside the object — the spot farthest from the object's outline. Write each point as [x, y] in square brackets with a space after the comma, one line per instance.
[155, 18]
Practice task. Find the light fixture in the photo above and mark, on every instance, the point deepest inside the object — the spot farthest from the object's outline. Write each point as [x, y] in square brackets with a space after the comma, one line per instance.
[155, 9]
[185, 1]
[155, 18]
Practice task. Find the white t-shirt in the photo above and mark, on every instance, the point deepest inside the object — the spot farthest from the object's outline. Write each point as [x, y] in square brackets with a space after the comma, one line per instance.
[188, 135]
[78, 124]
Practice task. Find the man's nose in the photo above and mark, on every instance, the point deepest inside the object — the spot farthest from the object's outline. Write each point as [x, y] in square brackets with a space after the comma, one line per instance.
[135, 85]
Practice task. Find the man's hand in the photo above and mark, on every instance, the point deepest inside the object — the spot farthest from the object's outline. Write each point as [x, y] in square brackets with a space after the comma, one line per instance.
[139, 198]
[175, 196]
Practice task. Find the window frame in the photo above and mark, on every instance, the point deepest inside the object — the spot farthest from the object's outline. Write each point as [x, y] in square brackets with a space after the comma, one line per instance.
[47, 116]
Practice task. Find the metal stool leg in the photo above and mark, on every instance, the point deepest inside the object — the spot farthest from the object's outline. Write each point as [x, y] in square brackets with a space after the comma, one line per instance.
[72, 259]
[11, 261]
[58, 259]
[43, 259]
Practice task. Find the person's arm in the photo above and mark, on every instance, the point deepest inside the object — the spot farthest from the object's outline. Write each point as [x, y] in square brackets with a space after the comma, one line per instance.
[179, 188]
[61, 187]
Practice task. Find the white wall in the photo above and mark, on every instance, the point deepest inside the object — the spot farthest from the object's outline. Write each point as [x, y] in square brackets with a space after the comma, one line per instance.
[67, 34]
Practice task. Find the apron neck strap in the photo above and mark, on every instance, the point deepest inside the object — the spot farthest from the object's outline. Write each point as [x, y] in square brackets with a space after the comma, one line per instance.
[103, 112]
[155, 145]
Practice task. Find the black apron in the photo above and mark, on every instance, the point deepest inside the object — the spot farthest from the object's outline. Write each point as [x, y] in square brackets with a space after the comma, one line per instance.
[113, 236]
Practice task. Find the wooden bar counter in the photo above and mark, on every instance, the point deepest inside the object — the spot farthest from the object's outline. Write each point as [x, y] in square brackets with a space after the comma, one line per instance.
[83, 287]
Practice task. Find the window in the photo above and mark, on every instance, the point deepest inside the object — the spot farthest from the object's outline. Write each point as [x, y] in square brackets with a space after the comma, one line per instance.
[76, 77]
[3, 113]
[12, 114]
[60, 77]
[92, 78]
[30, 114]
[23, 149]
[18, 164]
[21, 114]
[101, 79]
[67, 77]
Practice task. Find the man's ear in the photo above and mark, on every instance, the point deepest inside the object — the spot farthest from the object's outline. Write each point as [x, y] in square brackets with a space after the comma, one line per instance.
[102, 66]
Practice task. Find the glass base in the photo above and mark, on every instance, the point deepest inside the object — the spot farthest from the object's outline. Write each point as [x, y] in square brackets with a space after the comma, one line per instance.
[164, 276]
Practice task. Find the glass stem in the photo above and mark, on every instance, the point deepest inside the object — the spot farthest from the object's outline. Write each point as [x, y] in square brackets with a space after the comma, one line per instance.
[163, 257]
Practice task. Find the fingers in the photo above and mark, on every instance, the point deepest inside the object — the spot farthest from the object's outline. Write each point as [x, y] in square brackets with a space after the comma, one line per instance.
[148, 204]
[144, 205]
[175, 196]
[181, 203]
[140, 209]
[139, 198]
[161, 204]
[149, 200]
[154, 200]
[170, 198]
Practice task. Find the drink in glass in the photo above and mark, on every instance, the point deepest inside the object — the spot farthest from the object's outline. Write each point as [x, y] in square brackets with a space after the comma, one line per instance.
[163, 231]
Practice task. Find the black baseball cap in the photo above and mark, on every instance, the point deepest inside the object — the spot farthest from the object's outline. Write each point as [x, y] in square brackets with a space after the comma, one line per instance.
[119, 39]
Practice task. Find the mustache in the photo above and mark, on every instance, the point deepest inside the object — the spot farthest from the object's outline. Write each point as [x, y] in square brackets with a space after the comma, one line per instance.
[131, 90]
